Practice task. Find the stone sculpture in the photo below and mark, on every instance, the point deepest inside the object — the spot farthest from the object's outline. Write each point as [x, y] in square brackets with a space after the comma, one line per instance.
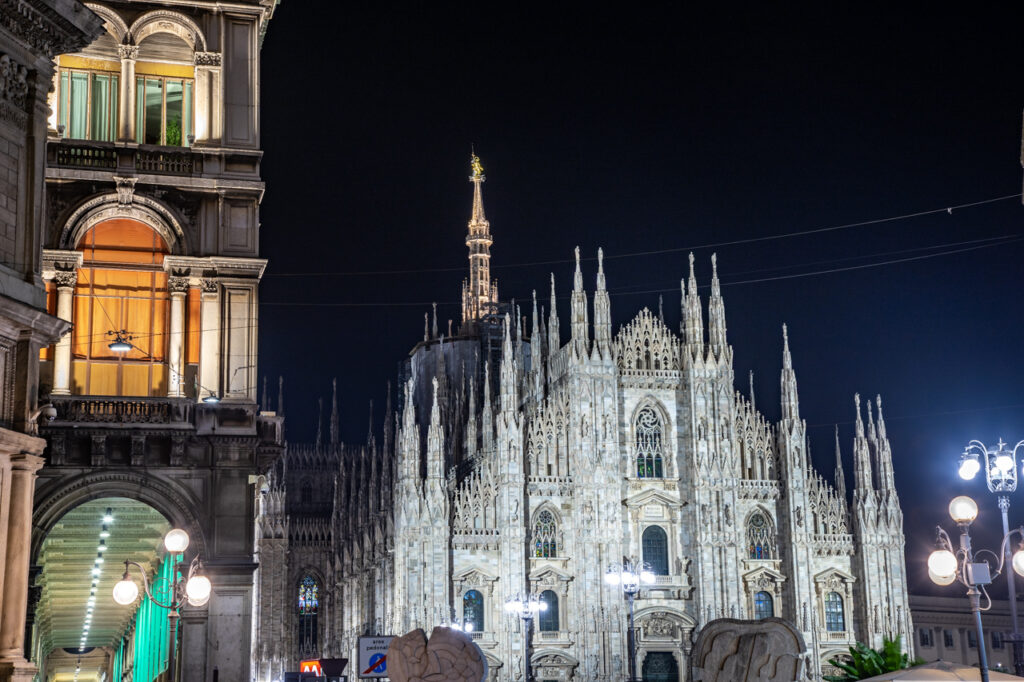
[767, 650]
[449, 656]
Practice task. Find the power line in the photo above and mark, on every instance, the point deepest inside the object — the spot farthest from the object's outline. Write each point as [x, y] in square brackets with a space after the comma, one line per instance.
[652, 252]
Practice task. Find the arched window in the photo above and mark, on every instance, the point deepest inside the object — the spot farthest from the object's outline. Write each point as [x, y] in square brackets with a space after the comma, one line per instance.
[764, 606]
[549, 617]
[760, 538]
[473, 611]
[309, 606]
[648, 444]
[545, 543]
[834, 618]
[655, 544]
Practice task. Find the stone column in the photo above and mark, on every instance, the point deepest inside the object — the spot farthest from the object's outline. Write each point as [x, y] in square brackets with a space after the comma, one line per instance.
[5, 510]
[209, 339]
[178, 286]
[13, 665]
[126, 101]
[207, 97]
[65, 281]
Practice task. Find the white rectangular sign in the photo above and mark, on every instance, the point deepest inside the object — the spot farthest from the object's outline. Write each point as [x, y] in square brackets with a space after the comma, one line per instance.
[373, 656]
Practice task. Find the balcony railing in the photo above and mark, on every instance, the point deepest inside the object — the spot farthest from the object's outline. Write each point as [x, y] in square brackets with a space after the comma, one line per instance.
[82, 156]
[86, 154]
[116, 410]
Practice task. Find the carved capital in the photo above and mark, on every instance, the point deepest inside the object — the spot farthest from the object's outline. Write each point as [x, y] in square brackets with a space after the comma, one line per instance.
[128, 51]
[207, 59]
[65, 279]
[177, 284]
[209, 286]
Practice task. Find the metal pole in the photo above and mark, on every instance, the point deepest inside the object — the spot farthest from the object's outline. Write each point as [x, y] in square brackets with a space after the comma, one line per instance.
[527, 621]
[1018, 646]
[631, 639]
[975, 597]
[172, 623]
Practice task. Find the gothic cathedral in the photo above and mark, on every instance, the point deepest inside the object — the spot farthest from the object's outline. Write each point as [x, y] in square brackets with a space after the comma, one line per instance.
[516, 462]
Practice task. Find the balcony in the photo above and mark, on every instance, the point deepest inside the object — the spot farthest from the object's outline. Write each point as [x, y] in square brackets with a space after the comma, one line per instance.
[118, 411]
[70, 158]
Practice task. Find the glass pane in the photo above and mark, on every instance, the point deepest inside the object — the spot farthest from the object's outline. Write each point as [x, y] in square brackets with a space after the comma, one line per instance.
[186, 125]
[140, 109]
[154, 111]
[100, 107]
[115, 112]
[173, 126]
[79, 105]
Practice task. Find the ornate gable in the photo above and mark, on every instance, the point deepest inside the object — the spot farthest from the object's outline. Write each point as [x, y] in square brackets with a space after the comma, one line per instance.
[646, 344]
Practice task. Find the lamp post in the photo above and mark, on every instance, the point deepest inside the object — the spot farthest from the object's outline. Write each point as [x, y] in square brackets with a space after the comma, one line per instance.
[631, 576]
[526, 607]
[946, 565]
[193, 589]
[1001, 477]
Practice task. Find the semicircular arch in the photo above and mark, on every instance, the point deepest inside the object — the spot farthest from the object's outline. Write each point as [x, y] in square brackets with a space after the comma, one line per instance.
[108, 207]
[167, 21]
[112, 21]
[58, 496]
[683, 620]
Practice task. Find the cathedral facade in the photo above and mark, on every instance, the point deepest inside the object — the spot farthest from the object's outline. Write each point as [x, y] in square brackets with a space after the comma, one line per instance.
[515, 461]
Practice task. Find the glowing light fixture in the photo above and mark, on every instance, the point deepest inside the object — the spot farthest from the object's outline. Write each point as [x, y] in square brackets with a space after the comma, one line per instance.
[211, 399]
[126, 591]
[121, 342]
[198, 590]
[108, 516]
[963, 509]
[176, 541]
[969, 467]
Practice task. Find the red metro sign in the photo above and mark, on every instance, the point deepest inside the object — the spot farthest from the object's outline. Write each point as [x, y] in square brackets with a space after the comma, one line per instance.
[312, 666]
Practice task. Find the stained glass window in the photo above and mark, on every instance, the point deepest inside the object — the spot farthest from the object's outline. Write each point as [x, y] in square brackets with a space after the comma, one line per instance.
[655, 544]
[545, 543]
[473, 610]
[309, 606]
[648, 444]
[834, 618]
[760, 538]
[764, 605]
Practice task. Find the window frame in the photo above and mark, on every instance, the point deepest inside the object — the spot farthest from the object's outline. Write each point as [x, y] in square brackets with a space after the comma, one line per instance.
[63, 98]
[835, 618]
[140, 112]
[551, 615]
[925, 637]
[760, 602]
[649, 455]
[482, 616]
[665, 547]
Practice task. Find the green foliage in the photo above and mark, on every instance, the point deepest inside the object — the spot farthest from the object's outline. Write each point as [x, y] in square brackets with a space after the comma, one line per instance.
[173, 133]
[865, 662]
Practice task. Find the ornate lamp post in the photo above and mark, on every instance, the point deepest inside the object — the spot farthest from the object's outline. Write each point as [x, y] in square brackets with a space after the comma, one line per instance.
[1001, 477]
[946, 565]
[526, 607]
[194, 589]
[631, 576]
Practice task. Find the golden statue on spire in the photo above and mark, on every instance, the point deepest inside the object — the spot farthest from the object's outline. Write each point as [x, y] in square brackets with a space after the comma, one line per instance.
[477, 168]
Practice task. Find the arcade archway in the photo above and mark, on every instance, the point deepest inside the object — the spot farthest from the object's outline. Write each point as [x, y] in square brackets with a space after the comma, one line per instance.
[79, 632]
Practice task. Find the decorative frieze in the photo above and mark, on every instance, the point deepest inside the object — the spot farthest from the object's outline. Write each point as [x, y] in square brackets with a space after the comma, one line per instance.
[207, 59]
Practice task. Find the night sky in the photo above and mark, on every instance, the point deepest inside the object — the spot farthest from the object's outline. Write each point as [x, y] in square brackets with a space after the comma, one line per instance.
[666, 130]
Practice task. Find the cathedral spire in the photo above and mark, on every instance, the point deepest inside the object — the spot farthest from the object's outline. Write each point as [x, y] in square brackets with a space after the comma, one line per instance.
[580, 324]
[280, 396]
[884, 453]
[508, 371]
[554, 340]
[790, 401]
[264, 405]
[319, 422]
[334, 411]
[602, 311]
[692, 313]
[753, 405]
[840, 476]
[486, 418]
[716, 311]
[433, 324]
[535, 329]
[480, 296]
[861, 454]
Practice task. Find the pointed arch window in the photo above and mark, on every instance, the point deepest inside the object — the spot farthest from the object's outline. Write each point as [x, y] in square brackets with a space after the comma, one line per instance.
[545, 531]
[548, 619]
[309, 607]
[764, 605]
[648, 444]
[473, 611]
[655, 545]
[760, 537]
[835, 618]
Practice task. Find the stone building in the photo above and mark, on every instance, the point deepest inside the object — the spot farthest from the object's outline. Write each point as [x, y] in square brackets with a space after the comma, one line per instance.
[149, 250]
[945, 630]
[31, 33]
[518, 462]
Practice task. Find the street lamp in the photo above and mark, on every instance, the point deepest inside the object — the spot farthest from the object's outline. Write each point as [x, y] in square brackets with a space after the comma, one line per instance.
[1001, 477]
[631, 576]
[526, 607]
[946, 565]
[194, 589]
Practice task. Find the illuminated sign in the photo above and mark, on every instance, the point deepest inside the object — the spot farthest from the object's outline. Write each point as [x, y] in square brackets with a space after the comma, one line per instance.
[312, 666]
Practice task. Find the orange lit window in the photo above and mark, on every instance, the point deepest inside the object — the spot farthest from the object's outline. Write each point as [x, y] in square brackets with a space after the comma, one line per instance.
[121, 285]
